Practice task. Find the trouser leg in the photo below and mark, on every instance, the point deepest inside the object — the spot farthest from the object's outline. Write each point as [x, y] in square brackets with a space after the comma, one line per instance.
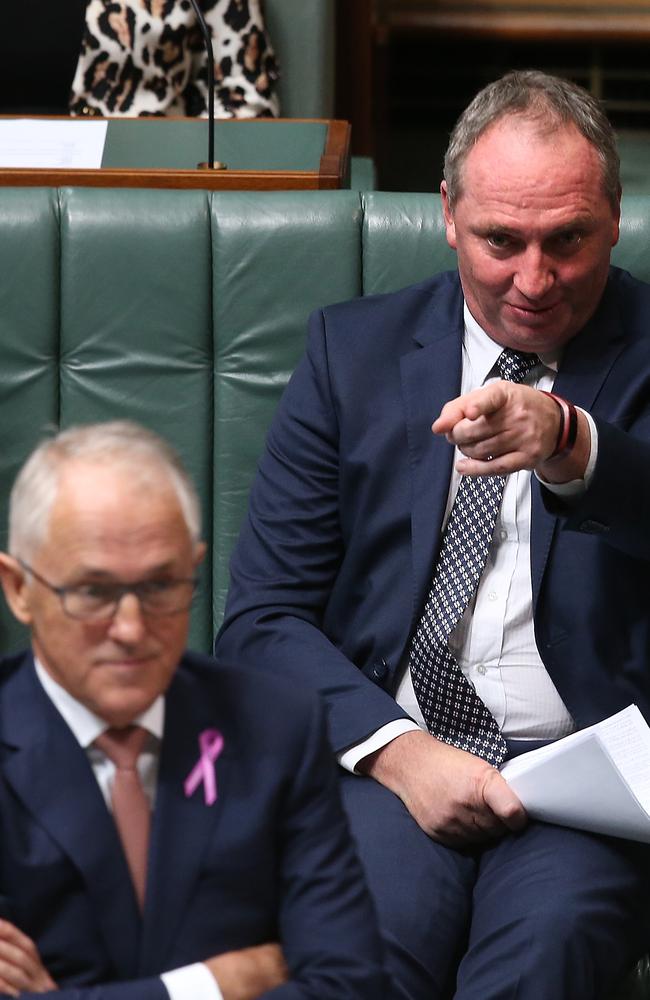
[422, 891]
[557, 914]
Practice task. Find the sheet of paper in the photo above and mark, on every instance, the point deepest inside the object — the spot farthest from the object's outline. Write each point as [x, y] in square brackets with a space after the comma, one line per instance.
[626, 737]
[52, 144]
[596, 779]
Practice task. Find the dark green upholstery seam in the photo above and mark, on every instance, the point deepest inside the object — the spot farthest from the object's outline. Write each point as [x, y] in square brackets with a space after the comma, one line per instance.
[59, 334]
[208, 527]
[362, 245]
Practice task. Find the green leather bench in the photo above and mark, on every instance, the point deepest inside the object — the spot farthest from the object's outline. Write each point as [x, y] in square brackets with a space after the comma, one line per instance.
[186, 311]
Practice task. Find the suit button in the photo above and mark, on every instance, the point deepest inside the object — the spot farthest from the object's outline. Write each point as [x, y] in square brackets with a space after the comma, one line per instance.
[380, 669]
[594, 528]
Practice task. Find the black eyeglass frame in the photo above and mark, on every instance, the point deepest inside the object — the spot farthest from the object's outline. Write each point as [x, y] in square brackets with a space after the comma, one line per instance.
[120, 590]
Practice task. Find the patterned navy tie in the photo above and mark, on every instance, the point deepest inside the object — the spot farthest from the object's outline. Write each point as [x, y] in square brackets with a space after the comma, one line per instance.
[451, 708]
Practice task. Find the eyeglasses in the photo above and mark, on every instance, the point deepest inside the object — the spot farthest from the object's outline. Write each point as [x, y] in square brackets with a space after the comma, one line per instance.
[97, 602]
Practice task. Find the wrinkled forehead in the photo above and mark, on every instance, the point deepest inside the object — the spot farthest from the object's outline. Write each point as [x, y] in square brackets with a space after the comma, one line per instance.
[111, 496]
[115, 475]
[517, 155]
[521, 170]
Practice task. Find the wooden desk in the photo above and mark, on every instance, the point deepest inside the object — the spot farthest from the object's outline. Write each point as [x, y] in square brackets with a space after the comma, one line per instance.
[261, 154]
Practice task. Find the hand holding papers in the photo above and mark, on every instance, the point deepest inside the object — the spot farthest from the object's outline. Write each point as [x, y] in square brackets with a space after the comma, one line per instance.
[597, 779]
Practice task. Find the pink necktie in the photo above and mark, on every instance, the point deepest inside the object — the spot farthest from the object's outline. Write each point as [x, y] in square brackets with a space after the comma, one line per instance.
[130, 805]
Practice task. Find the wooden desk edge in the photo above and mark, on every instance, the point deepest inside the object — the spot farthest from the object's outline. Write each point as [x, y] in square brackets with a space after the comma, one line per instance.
[332, 173]
[210, 180]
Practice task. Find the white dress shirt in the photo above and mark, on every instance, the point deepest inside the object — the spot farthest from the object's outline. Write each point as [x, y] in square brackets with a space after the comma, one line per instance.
[494, 642]
[192, 982]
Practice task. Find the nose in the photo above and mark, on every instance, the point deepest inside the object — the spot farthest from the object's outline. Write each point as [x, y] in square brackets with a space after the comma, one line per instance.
[534, 276]
[127, 624]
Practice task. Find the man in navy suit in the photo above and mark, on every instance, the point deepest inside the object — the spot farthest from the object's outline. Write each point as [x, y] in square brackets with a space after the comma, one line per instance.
[247, 884]
[398, 398]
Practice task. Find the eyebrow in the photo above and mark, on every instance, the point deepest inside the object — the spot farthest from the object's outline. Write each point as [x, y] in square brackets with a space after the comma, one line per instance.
[104, 575]
[583, 222]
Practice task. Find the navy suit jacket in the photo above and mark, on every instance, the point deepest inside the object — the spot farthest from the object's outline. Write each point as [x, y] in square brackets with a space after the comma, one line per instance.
[270, 860]
[335, 558]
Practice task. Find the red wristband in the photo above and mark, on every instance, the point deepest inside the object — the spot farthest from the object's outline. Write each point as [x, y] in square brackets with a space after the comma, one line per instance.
[568, 431]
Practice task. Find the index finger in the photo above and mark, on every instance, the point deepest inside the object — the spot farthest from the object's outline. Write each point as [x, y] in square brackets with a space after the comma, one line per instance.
[480, 402]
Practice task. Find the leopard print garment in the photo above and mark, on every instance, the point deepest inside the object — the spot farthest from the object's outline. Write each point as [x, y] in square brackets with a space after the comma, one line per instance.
[146, 57]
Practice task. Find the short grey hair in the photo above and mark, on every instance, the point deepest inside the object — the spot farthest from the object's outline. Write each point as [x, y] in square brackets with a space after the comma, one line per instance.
[122, 442]
[538, 97]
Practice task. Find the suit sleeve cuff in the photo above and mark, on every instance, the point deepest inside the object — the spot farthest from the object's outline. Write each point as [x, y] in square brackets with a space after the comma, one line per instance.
[192, 982]
[351, 757]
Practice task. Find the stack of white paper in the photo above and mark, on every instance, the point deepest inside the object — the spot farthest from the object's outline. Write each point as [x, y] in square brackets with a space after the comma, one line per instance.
[597, 779]
[51, 145]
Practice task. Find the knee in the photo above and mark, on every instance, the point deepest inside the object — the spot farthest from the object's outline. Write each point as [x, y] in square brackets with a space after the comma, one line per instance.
[553, 927]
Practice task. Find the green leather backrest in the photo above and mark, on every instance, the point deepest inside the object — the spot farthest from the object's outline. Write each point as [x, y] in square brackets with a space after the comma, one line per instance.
[186, 311]
[180, 309]
[302, 32]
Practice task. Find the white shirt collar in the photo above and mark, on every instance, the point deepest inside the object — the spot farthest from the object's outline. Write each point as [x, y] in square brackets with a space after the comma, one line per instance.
[482, 352]
[85, 725]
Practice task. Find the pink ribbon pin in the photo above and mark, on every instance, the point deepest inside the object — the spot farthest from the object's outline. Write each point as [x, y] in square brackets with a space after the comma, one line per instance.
[210, 746]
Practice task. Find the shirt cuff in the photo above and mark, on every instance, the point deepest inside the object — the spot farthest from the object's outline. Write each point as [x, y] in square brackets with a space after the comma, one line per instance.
[191, 982]
[380, 738]
[576, 487]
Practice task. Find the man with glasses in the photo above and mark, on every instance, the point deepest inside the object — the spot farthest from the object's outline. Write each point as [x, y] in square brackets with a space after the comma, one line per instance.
[163, 831]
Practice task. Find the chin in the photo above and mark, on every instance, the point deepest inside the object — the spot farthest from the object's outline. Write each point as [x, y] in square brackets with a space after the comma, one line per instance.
[124, 712]
[538, 341]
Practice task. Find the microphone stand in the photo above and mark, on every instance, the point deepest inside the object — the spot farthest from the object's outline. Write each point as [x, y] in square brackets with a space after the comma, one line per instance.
[211, 164]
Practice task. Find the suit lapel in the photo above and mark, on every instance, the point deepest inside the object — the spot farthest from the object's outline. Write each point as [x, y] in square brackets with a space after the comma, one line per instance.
[51, 775]
[431, 376]
[587, 361]
[182, 826]
[590, 356]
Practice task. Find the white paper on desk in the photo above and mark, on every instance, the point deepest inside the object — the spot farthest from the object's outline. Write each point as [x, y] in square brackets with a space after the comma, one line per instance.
[51, 144]
[597, 779]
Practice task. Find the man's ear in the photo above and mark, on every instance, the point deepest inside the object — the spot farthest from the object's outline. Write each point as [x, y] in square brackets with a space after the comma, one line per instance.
[450, 226]
[14, 584]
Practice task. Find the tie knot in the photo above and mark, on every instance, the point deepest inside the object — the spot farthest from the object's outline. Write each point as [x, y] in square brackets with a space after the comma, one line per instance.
[123, 746]
[514, 365]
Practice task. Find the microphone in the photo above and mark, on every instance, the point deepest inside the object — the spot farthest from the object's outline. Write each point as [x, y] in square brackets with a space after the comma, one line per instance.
[211, 164]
